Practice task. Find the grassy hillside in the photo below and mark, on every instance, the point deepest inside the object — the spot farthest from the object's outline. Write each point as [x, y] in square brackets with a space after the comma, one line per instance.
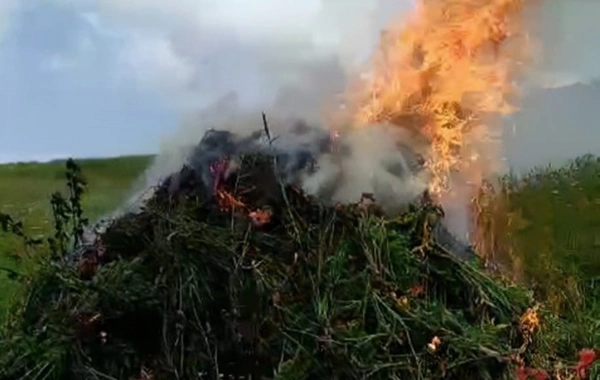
[262, 281]
[545, 226]
[542, 228]
[25, 191]
[546, 230]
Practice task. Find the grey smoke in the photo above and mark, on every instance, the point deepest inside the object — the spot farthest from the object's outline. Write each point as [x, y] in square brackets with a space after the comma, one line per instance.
[370, 159]
[243, 62]
[288, 60]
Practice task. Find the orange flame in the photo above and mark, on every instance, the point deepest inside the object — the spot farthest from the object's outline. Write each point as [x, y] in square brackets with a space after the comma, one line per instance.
[451, 65]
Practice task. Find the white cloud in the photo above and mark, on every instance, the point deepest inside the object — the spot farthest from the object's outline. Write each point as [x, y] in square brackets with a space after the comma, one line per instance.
[58, 62]
[8, 8]
[188, 49]
[63, 61]
[153, 63]
[191, 48]
[93, 20]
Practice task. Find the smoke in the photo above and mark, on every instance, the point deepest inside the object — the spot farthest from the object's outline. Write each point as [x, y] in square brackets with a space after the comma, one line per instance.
[194, 51]
[221, 64]
[371, 160]
[337, 169]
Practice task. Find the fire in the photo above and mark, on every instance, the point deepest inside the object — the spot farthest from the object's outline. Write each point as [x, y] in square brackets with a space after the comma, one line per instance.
[451, 65]
[449, 73]
[228, 202]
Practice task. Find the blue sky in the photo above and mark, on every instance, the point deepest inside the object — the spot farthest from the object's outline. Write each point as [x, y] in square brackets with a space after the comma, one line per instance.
[109, 77]
[60, 95]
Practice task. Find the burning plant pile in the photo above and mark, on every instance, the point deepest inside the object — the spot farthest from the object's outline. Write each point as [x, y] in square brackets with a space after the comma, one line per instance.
[230, 270]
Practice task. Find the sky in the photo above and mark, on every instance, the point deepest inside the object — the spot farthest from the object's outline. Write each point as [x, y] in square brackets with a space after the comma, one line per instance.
[90, 78]
[64, 93]
[109, 77]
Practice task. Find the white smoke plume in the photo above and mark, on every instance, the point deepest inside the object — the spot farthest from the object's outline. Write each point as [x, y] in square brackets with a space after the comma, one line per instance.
[222, 64]
[289, 58]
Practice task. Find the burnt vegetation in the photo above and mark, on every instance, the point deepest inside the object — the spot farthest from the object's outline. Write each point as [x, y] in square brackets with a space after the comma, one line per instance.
[239, 274]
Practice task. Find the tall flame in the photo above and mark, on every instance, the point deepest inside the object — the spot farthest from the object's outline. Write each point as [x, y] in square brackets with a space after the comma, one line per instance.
[448, 72]
[451, 64]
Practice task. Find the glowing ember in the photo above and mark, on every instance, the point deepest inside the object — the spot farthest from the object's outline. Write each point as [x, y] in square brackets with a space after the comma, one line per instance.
[260, 217]
[228, 202]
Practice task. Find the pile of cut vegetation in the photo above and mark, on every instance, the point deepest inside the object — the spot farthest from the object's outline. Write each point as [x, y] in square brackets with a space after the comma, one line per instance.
[247, 277]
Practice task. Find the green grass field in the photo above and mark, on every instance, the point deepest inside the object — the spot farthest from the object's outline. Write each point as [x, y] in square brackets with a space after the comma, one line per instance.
[25, 191]
[547, 228]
